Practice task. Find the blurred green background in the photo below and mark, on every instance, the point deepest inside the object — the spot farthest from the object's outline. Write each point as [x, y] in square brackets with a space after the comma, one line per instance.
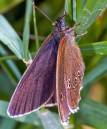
[18, 43]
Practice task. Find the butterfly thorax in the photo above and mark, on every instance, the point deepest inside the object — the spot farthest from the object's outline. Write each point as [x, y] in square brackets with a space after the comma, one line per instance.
[62, 28]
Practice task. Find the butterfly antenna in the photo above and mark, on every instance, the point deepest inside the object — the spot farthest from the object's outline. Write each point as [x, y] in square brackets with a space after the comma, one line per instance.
[42, 12]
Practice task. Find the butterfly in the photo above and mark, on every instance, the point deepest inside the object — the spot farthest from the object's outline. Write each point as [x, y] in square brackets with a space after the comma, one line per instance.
[55, 76]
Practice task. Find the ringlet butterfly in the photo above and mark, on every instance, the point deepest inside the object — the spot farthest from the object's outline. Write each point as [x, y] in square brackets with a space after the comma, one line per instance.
[55, 76]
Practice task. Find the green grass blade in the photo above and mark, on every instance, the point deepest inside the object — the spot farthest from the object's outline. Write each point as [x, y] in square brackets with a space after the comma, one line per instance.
[68, 8]
[98, 48]
[11, 124]
[93, 114]
[26, 33]
[7, 87]
[50, 120]
[74, 10]
[10, 38]
[10, 67]
[96, 73]
[8, 57]
[35, 29]
[88, 13]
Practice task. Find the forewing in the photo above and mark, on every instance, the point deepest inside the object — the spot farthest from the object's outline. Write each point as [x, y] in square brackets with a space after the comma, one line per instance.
[73, 72]
[69, 76]
[38, 82]
[60, 86]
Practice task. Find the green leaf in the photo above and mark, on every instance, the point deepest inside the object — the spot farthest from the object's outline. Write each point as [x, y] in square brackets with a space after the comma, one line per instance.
[74, 14]
[50, 120]
[11, 124]
[96, 73]
[99, 48]
[10, 38]
[26, 32]
[35, 29]
[8, 57]
[9, 67]
[88, 13]
[68, 8]
[93, 114]
[5, 82]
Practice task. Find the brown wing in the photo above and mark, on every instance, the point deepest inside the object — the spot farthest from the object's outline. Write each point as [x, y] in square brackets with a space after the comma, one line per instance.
[70, 70]
[73, 72]
[60, 87]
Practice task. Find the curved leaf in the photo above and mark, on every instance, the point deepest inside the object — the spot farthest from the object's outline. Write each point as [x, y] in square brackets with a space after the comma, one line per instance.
[88, 12]
[99, 48]
[10, 38]
[93, 114]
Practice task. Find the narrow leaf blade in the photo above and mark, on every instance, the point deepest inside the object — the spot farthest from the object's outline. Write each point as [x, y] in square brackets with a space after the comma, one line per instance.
[10, 38]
